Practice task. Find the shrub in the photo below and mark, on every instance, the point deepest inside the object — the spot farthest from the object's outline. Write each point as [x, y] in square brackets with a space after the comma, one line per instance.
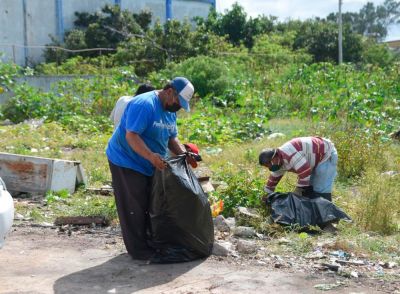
[210, 76]
[243, 189]
[357, 150]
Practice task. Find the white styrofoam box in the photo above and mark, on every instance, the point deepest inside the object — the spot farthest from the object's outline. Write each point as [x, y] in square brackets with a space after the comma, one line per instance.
[33, 174]
[6, 212]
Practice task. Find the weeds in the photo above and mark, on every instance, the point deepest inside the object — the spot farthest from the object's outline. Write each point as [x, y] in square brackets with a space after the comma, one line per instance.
[377, 209]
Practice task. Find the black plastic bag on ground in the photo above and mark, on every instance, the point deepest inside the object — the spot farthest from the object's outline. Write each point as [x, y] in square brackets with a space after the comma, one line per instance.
[290, 209]
[180, 215]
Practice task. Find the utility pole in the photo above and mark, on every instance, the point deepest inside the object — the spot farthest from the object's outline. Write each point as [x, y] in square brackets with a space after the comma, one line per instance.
[340, 32]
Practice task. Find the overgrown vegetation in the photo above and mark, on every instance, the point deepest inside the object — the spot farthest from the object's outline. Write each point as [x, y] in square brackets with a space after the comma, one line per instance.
[264, 81]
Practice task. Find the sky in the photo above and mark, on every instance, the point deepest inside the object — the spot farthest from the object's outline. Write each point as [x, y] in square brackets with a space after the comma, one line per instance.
[300, 9]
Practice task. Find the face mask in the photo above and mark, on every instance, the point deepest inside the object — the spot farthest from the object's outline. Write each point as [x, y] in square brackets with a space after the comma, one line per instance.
[274, 167]
[173, 108]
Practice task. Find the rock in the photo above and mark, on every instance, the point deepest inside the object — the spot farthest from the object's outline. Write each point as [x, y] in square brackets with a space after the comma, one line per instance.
[388, 265]
[390, 173]
[231, 222]
[276, 136]
[18, 216]
[284, 241]
[220, 186]
[6, 122]
[202, 173]
[222, 248]
[207, 186]
[332, 266]
[247, 216]
[220, 224]
[212, 150]
[354, 274]
[315, 255]
[350, 262]
[246, 247]
[244, 232]
[34, 123]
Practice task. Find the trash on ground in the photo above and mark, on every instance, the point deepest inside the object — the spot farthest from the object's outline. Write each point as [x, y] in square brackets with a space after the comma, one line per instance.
[80, 220]
[217, 208]
[290, 209]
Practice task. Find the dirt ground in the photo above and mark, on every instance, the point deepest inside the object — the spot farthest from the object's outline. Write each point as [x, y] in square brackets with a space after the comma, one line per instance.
[37, 259]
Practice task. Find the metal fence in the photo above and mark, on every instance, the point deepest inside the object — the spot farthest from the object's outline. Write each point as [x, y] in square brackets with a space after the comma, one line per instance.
[34, 54]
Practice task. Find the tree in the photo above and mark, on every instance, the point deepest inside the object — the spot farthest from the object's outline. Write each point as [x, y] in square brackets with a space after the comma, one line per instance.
[372, 21]
[320, 39]
[235, 26]
[376, 54]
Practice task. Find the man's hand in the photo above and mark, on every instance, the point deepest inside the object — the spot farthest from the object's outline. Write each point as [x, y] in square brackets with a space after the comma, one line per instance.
[267, 192]
[264, 199]
[191, 160]
[157, 161]
[307, 191]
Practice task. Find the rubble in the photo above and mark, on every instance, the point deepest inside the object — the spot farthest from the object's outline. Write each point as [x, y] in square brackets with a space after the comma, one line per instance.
[220, 224]
[80, 220]
[246, 247]
[244, 232]
[222, 248]
[247, 216]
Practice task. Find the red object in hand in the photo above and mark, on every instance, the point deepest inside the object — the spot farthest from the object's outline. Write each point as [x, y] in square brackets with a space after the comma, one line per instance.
[190, 147]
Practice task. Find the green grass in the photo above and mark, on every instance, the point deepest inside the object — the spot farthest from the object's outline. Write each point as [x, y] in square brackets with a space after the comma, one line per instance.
[371, 199]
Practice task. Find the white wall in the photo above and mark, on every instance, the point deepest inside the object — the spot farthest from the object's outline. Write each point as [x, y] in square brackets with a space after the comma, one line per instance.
[41, 21]
[11, 30]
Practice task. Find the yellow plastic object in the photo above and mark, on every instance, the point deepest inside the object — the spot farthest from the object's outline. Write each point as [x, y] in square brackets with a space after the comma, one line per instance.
[217, 208]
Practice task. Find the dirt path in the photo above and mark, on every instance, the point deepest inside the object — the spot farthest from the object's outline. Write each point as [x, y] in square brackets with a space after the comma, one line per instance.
[43, 260]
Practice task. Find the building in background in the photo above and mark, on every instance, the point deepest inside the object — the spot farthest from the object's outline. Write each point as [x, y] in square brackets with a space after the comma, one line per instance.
[26, 25]
[394, 45]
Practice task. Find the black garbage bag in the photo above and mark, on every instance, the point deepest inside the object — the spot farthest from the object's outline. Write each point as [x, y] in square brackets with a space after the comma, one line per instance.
[290, 209]
[180, 215]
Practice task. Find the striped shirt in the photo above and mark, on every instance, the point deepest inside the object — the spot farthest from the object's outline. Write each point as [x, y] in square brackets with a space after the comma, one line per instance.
[301, 156]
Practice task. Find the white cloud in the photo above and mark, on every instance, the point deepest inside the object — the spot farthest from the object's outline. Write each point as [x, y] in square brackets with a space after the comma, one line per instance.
[294, 8]
[300, 9]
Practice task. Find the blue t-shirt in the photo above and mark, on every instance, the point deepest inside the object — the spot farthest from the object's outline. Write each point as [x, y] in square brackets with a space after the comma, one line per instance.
[145, 116]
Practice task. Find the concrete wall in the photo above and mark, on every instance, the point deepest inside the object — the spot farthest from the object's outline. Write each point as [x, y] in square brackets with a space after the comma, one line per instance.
[44, 83]
[71, 6]
[41, 20]
[11, 30]
[39, 26]
[188, 9]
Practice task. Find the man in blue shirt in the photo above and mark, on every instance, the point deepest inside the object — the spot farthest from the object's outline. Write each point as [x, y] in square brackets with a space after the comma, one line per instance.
[139, 145]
